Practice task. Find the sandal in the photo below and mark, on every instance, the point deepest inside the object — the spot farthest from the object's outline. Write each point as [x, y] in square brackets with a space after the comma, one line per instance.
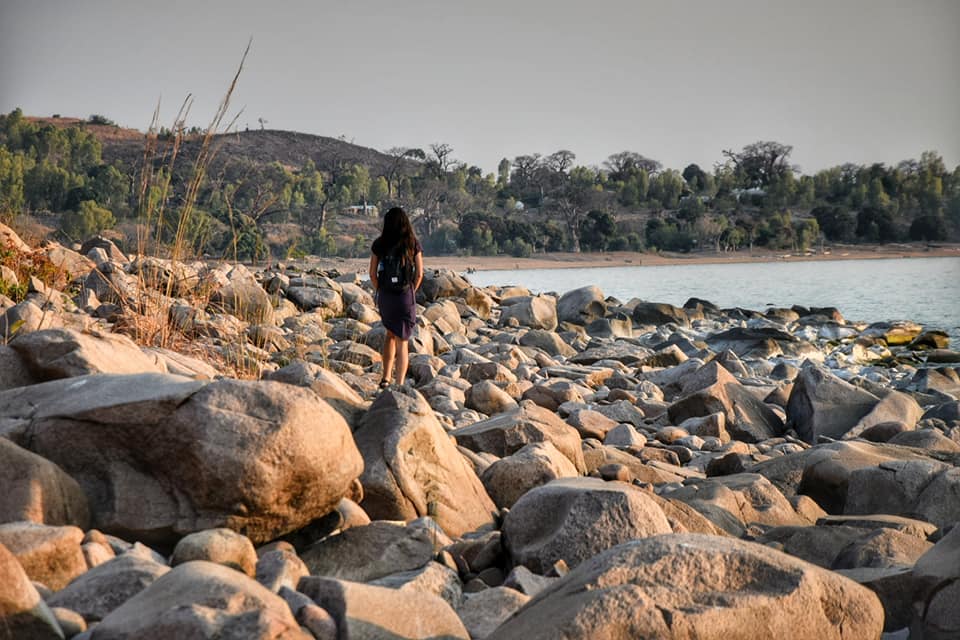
[384, 383]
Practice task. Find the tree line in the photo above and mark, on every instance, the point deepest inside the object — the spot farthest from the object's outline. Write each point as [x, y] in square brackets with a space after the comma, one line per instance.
[753, 197]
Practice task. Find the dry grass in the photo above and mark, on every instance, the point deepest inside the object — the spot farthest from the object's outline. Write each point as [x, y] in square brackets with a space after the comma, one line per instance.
[151, 324]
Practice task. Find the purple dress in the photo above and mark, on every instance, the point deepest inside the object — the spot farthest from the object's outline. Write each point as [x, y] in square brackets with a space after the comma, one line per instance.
[398, 311]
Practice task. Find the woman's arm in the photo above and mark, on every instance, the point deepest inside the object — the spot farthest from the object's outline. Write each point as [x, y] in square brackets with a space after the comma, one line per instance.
[374, 263]
[419, 259]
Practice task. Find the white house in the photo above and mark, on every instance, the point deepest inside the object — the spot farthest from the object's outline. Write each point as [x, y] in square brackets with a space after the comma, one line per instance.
[363, 210]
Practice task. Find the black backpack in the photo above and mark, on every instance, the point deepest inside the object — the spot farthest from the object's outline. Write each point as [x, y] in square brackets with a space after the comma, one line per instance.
[396, 272]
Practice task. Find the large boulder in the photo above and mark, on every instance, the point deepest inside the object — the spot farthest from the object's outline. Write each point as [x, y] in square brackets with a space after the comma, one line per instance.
[484, 611]
[487, 398]
[549, 342]
[169, 277]
[823, 472]
[696, 586]
[930, 440]
[245, 300]
[112, 284]
[366, 612]
[326, 384]
[925, 489]
[882, 548]
[412, 467]
[13, 370]
[280, 567]
[937, 572]
[321, 300]
[896, 406]
[10, 240]
[109, 248]
[37, 490]
[760, 343]
[535, 464]
[819, 545]
[202, 600]
[582, 306]
[576, 518]
[105, 587]
[616, 325]
[223, 546]
[366, 553]
[23, 318]
[435, 578]
[658, 313]
[23, 613]
[504, 434]
[65, 353]
[50, 555]
[162, 456]
[445, 315]
[180, 364]
[439, 284]
[712, 389]
[822, 404]
[535, 312]
[746, 497]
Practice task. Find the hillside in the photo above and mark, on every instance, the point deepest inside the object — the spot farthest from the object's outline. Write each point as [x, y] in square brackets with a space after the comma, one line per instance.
[289, 148]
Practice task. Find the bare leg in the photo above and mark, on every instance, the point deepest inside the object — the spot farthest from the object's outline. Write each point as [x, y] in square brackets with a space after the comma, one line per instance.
[389, 346]
[403, 359]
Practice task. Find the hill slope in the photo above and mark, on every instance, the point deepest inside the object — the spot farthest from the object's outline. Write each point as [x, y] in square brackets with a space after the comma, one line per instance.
[289, 148]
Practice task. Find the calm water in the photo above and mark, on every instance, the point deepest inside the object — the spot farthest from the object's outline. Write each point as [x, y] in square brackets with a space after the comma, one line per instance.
[925, 290]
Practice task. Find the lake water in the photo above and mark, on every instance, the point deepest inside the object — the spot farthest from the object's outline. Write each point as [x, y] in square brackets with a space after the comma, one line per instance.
[924, 290]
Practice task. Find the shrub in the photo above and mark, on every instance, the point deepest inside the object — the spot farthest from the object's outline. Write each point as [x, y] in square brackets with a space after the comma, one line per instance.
[88, 220]
[100, 119]
[518, 248]
[26, 265]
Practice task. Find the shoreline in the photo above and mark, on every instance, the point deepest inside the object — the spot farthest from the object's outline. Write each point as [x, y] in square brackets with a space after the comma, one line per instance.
[567, 260]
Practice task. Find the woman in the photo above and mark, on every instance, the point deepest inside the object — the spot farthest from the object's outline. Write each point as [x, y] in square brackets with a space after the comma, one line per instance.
[395, 290]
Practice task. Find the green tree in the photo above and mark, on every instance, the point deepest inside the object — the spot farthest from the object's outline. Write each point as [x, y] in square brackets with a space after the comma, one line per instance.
[877, 225]
[695, 178]
[111, 188]
[88, 220]
[629, 193]
[12, 186]
[503, 174]
[625, 164]
[667, 187]
[663, 235]
[691, 209]
[929, 228]
[379, 190]
[807, 231]
[597, 230]
[758, 164]
[838, 224]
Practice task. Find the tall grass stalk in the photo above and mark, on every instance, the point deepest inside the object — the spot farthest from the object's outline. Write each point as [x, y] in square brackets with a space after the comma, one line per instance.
[152, 318]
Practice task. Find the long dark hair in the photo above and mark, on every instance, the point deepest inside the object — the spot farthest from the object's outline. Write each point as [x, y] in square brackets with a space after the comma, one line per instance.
[397, 232]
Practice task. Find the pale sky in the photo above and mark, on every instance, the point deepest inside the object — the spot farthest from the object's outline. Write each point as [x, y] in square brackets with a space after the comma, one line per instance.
[679, 81]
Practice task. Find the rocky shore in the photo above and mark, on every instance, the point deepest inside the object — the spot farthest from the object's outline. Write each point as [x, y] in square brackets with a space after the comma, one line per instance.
[192, 450]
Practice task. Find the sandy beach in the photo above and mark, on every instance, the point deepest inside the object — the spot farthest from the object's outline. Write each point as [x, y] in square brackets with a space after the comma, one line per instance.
[631, 258]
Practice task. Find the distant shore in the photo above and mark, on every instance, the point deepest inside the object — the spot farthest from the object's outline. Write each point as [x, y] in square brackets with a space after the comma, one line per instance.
[568, 260]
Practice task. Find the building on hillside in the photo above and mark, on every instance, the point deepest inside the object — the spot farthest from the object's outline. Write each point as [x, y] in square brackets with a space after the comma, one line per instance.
[363, 210]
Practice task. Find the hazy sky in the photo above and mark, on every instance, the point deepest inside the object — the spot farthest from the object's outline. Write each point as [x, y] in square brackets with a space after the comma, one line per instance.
[840, 80]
